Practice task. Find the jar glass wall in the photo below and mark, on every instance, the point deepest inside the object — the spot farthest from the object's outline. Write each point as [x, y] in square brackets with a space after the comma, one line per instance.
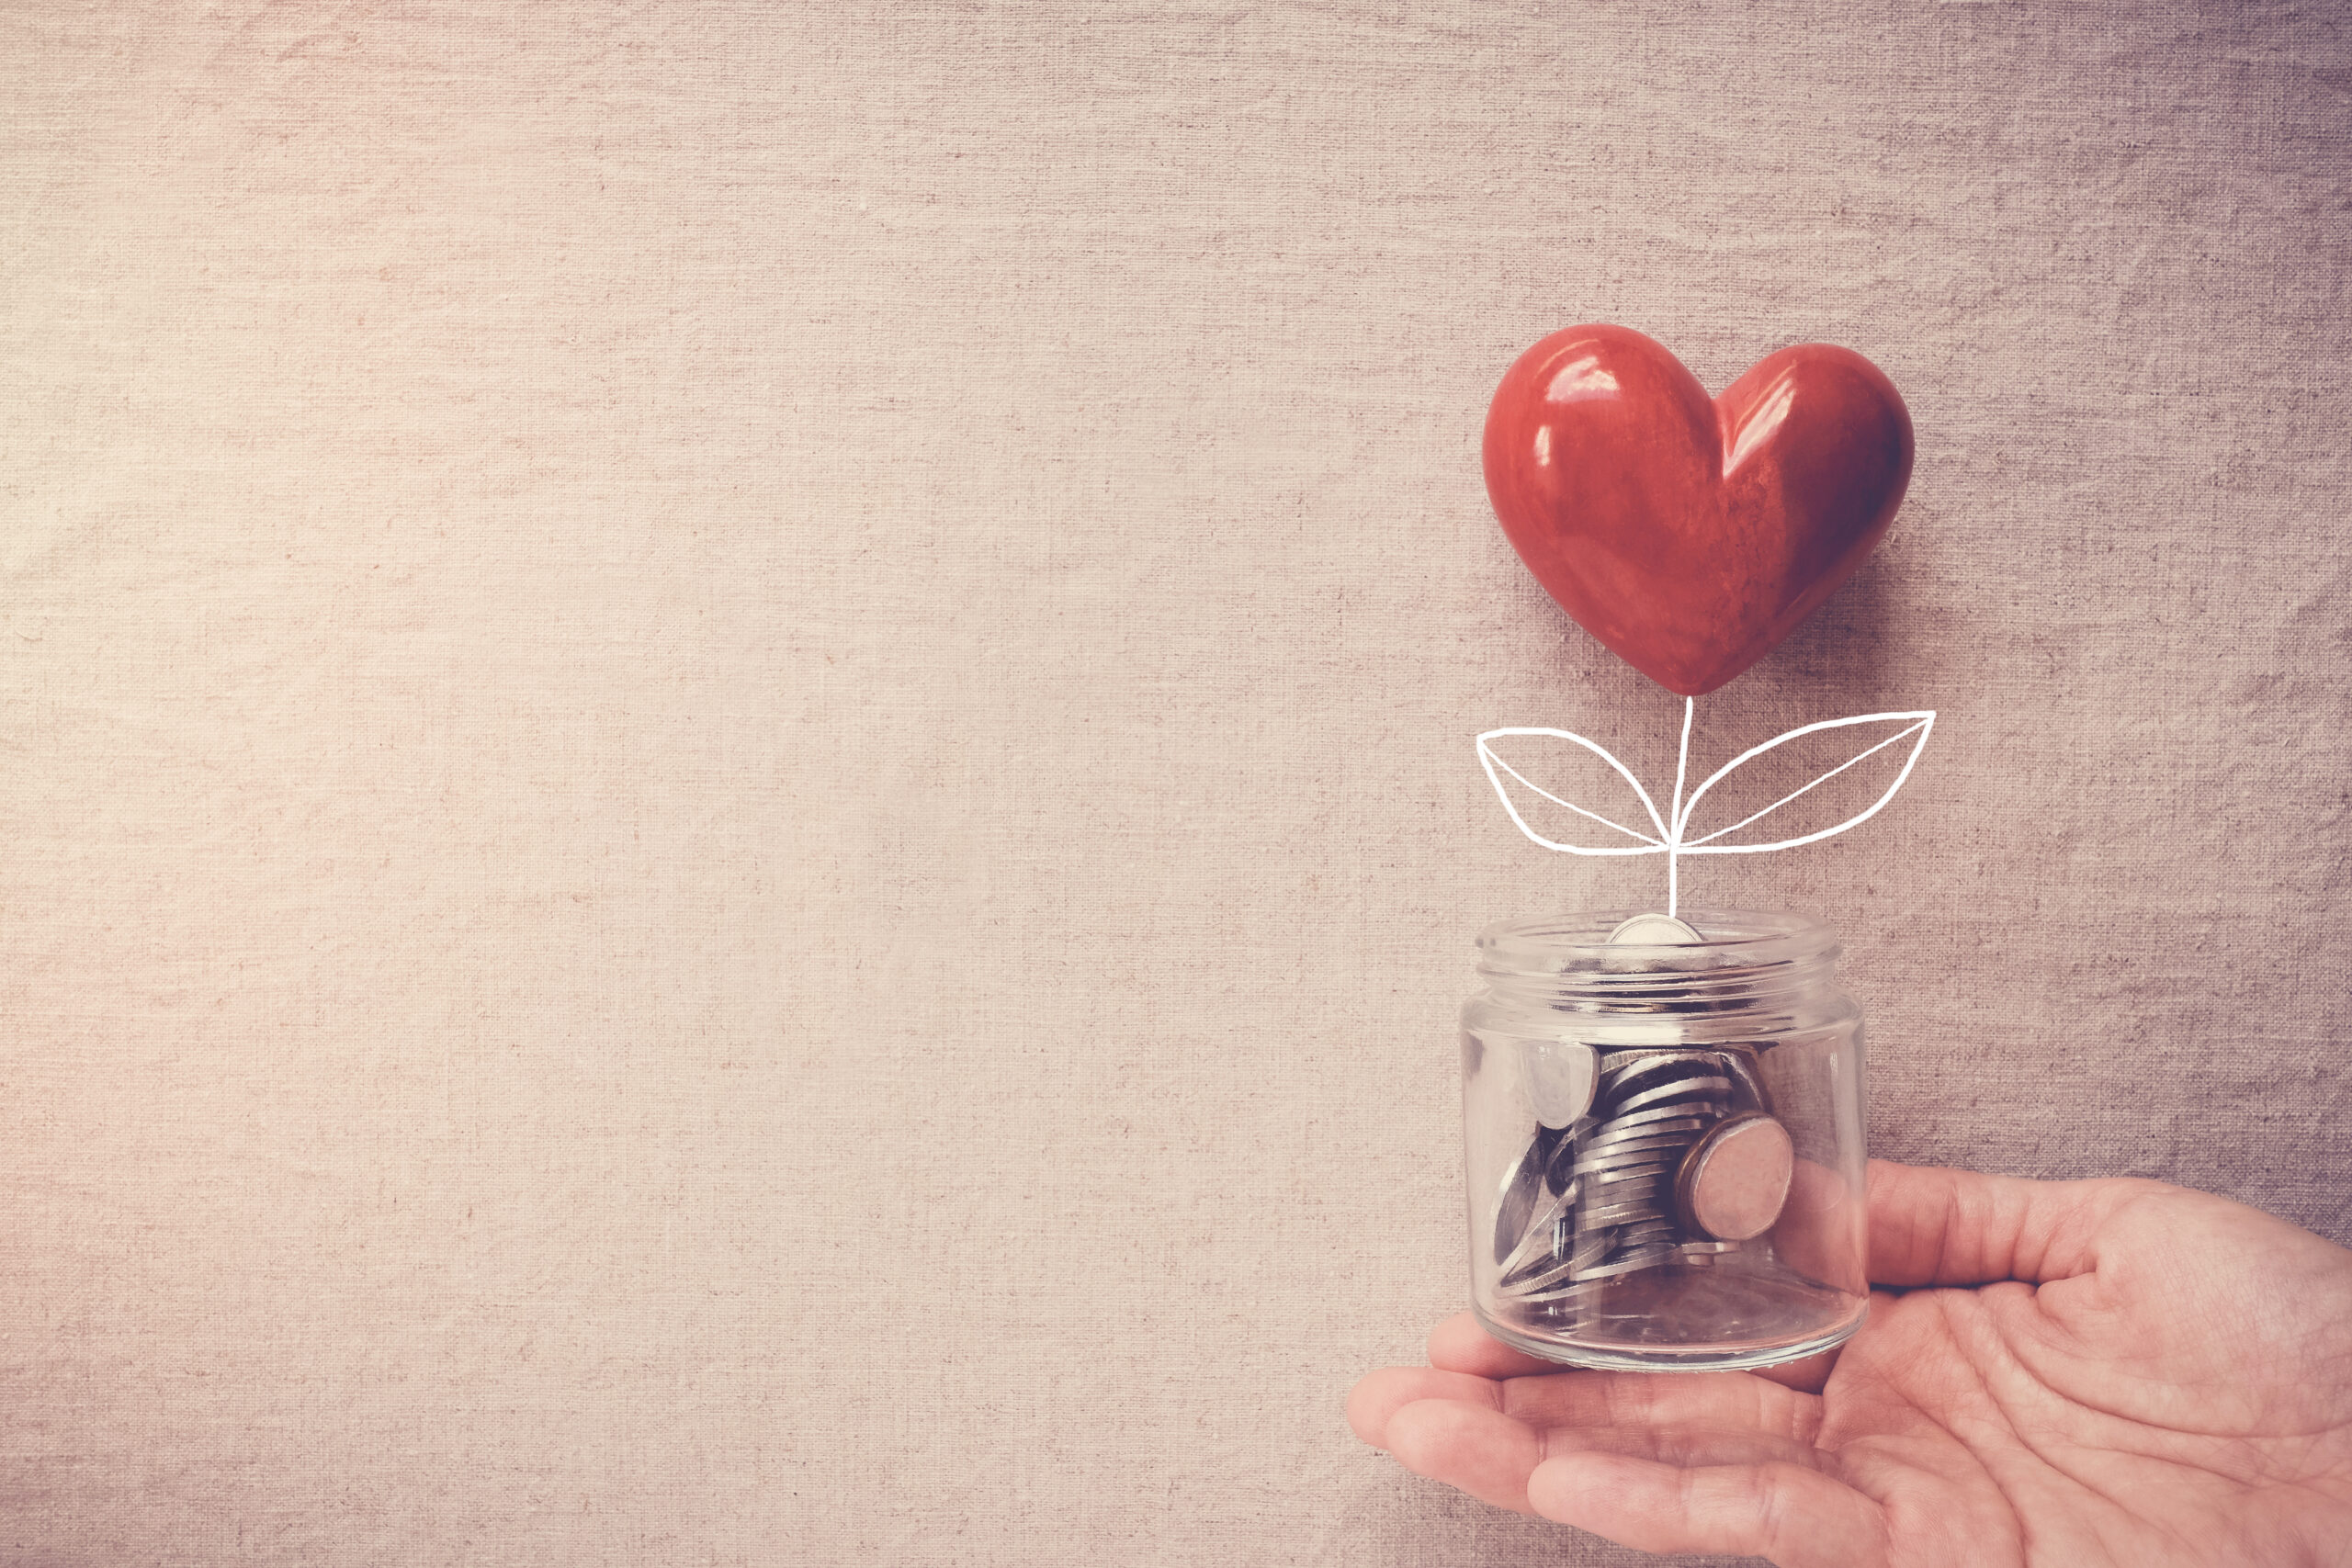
[1664, 1143]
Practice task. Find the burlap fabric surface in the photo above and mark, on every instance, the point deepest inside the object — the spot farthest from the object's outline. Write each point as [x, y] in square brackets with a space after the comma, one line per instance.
[741, 823]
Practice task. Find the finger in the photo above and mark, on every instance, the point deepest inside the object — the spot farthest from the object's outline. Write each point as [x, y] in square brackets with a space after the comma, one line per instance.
[1382, 1393]
[1683, 1447]
[1721, 1401]
[1474, 1448]
[1930, 1226]
[1796, 1517]
[1459, 1345]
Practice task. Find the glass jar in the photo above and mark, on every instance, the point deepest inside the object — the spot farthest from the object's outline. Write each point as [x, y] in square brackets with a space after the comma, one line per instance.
[1664, 1143]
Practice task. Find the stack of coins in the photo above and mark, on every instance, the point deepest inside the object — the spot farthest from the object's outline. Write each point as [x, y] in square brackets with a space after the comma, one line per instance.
[1671, 1157]
[1598, 1199]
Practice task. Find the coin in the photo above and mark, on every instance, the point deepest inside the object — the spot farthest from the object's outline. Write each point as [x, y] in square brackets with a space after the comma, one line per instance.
[1560, 1078]
[1558, 1171]
[1663, 1119]
[1631, 1262]
[1592, 1248]
[1656, 931]
[1668, 1093]
[1635, 1172]
[1621, 1070]
[1647, 1124]
[1522, 1186]
[1737, 1063]
[1572, 1290]
[1530, 1284]
[1618, 1213]
[1629, 1151]
[1734, 1181]
[1539, 1239]
[1534, 1272]
[1546, 1285]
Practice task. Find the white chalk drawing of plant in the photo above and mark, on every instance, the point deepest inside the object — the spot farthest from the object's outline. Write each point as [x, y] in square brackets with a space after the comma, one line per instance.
[1671, 834]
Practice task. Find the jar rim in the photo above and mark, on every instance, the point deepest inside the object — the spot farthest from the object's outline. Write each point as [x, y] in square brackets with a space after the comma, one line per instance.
[1577, 942]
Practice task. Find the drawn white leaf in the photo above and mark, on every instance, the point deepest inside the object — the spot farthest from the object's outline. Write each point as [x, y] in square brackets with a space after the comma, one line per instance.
[1912, 727]
[1532, 793]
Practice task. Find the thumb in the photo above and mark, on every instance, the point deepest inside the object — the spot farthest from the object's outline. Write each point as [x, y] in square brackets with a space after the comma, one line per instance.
[1931, 1227]
[1795, 1516]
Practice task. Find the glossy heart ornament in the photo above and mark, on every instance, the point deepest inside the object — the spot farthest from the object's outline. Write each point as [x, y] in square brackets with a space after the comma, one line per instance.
[1692, 534]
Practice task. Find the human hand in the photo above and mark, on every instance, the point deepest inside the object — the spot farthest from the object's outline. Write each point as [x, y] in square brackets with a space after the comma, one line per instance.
[2071, 1373]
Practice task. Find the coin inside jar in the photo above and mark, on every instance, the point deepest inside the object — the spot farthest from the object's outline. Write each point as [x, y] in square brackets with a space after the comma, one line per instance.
[1560, 1075]
[1734, 1180]
[1522, 1186]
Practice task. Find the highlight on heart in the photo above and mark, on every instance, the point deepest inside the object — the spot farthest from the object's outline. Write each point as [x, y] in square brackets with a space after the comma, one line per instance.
[1690, 536]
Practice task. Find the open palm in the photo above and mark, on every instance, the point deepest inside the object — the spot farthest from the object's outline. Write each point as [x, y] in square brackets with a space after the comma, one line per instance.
[2077, 1373]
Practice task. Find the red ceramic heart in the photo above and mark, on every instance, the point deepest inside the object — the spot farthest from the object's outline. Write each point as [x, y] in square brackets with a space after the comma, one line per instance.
[1690, 536]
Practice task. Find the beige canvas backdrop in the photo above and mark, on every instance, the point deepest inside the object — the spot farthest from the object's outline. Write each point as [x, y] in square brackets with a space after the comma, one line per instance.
[740, 822]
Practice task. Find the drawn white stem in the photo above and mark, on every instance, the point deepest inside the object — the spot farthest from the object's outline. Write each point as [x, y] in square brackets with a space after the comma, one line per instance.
[1674, 834]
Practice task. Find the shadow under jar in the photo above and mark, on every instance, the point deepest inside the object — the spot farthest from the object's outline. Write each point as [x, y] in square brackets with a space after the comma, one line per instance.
[1664, 1143]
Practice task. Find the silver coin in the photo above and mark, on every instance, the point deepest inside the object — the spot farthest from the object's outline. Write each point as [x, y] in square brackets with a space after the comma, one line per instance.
[1681, 1090]
[1658, 1130]
[1652, 1089]
[1654, 1189]
[1661, 1061]
[1630, 1263]
[1556, 1171]
[1737, 1065]
[1704, 1104]
[1647, 1094]
[1734, 1181]
[1706, 1248]
[1582, 1127]
[1615, 1141]
[1680, 1118]
[1532, 1286]
[1648, 1171]
[1545, 1268]
[1620, 1069]
[1534, 1254]
[1657, 931]
[1561, 1075]
[1592, 1247]
[1652, 1199]
[1573, 1291]
[1630, 1150]
[1563, 1255]
[1652, 1181]
[1539, 1239]
[1515, 1205]
[1677, 1132]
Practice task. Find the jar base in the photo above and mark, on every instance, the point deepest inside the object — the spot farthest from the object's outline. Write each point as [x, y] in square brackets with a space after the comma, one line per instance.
[1742, 1353]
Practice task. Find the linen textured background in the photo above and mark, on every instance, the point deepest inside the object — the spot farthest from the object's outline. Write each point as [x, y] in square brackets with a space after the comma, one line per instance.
[741, 822]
